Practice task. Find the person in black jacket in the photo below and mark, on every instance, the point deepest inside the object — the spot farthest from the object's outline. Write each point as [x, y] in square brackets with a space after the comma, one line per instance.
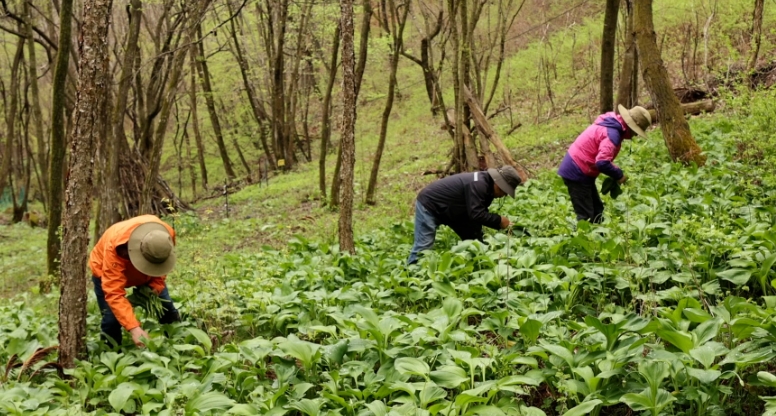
[461, 202]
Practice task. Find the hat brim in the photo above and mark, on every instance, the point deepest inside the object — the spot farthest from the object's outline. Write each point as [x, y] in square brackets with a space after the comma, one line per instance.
[139, 261]
[630, 121]
[502, 184]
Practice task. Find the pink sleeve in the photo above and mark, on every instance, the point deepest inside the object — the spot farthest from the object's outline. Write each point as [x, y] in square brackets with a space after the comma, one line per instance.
[607, 151]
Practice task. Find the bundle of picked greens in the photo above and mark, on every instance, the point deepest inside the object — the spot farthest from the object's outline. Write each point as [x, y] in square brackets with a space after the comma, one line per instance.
[146, 298]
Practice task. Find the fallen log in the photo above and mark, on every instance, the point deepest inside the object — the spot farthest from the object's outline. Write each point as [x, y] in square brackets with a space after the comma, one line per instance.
[698, 107]
[483, 125]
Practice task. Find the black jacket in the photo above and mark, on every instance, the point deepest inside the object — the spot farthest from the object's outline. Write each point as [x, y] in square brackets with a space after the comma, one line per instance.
[461, 202]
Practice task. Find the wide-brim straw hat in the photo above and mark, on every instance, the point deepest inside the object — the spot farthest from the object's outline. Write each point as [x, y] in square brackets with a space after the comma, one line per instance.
[151, 249]
[637, 118]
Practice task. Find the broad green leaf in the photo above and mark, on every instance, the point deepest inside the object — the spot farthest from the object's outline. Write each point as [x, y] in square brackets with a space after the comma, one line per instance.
[522, 380]
[243, 410]
[767, 378]
[530, 411]
[663, 399]
[583, 409]
[153, 408]
[464, 399]
[430, 394]
[654, 372]
[301, 350]
[561, 352]
[646, 401]
[377, 408]
[704, 354]
[307, 406]
[704, 376]
[530, 329]
[529, 361]
[696, 315]
[452, 307]
[444, 289]
[411, 365]
[610, 331]
[449, 376]
[707, 330]
[209, 401]
[637, 401]
[677, 339]
[485, 410]
[335, 353]
[766, 266]
[738, 277]
[119, 396]
[202, 337]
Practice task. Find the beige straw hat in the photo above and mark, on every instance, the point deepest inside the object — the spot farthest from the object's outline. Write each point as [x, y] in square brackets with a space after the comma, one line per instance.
[151, 249]
[637, 118]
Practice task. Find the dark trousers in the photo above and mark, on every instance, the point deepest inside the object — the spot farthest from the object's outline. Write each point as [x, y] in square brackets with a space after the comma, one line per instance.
[587, 203]
[110, 326]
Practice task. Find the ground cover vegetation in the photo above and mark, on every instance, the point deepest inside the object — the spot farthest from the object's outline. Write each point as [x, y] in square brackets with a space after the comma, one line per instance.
[665, 308]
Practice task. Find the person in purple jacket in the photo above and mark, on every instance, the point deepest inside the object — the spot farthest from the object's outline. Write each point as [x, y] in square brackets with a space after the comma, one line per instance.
[593, 153]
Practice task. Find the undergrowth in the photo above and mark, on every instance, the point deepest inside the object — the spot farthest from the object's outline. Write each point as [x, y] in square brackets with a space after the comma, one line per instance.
[665, 308]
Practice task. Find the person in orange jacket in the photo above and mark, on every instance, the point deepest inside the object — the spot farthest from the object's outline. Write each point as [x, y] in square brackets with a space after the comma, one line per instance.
[135, 252]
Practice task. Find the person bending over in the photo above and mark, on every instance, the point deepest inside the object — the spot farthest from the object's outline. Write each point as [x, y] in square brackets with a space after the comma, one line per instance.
[461, 202]
[132, 253]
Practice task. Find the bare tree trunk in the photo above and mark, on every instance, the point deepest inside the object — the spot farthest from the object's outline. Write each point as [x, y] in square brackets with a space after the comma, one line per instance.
[757, 30]
[259, 114]
[235, 133]
[195, 119]
[190, 163]
[11, 116]
[278, 89]
[92, 86]
[109, 197]
[326, 113]
[363, 50]
[505, 24]
[607, 56]
[425, 61]
[37, 115]
[20, 208]
[292, 93]
[146, 200]
[681, 145]
[335, 181]
[629, 76]
[348, 144]
[57, 156]
[207, 88]
[397, 22]
[459, 150]
[363, 45]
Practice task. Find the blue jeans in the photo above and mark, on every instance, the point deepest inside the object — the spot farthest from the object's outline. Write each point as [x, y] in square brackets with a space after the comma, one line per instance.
[110, 326]
[425, 232]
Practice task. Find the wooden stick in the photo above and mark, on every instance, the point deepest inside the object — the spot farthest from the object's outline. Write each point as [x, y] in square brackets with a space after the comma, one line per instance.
[487, 130]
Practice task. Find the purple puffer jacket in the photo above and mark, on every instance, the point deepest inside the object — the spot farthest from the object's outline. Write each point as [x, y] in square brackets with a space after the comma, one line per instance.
[593, 152]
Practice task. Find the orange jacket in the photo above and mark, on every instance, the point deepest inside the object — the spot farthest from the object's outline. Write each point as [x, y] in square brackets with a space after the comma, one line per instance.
[117, 274]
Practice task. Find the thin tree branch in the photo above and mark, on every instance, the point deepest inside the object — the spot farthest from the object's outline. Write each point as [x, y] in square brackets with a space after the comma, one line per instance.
[9, 13]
